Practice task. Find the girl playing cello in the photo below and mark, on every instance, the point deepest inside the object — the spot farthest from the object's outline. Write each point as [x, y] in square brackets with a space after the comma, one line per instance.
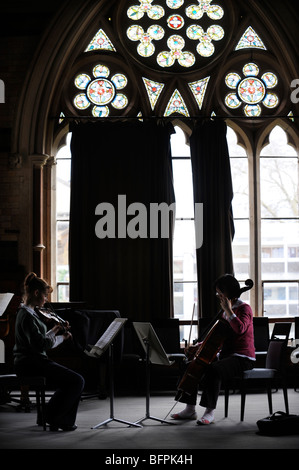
[237, 354]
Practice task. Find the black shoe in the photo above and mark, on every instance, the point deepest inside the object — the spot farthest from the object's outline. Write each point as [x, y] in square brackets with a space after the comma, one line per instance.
[54, 427]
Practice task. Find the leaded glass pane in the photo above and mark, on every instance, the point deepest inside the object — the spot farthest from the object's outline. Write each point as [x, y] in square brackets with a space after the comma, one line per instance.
[100, 41]
[165, 59]
[153, 89]
[81, 102]
[251, 90]
[174, 3]
[100, 111]
[120, 81]
[250, 70]
[179, 21]
[120, 101]
[176, 43]
[175, 22]
[176, 105]
[146, 49]
[252, 110]
[232, 101]
[82, 80]
[215, 32]
[250, 40]
[198, 89]
[271, 100]
[232, 80]
[270, 79]
[100, 92]
[101, 71]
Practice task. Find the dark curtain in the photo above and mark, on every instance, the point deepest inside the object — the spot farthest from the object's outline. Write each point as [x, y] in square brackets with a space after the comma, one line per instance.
[112, 159]
[212, 185]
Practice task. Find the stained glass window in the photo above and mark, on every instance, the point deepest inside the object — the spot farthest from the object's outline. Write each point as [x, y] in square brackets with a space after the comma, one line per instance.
[250, 40]
[100, 91]
[153, 89]
[176, 105]
[199, 89]
[100, 41]
[251, 90]
[174, 18]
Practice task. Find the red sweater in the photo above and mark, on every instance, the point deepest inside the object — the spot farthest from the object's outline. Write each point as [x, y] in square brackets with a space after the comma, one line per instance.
[241, 341]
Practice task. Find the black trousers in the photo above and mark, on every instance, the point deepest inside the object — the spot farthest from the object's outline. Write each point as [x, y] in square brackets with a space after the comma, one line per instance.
[216, 373]
[63, 406]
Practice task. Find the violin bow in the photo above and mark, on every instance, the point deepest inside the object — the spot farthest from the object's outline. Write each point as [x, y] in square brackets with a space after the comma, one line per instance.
[189, 340]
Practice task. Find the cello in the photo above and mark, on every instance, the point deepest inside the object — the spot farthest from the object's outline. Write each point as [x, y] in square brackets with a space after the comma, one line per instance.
[207, 350]
[205, 354]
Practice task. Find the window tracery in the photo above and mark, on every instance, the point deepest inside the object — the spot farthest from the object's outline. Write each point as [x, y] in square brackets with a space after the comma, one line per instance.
[177, 35]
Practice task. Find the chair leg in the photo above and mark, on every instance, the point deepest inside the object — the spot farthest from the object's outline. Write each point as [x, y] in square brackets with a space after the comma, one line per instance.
[43, 408]
[41, 405]
[226, 398]
[38, 407]
[269, 393]
[243, 398]
[286, 401]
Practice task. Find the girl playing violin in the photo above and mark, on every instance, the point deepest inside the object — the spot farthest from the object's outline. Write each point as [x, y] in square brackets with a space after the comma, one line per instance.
[237, 354]
[30, 357]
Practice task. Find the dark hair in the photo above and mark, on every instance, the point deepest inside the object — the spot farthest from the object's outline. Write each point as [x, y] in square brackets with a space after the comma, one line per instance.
[231, 286]
[33, 282]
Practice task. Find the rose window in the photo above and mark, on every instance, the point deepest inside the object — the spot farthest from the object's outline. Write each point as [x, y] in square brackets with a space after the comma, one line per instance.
[251, 90]
[189, 29]
[99, 91]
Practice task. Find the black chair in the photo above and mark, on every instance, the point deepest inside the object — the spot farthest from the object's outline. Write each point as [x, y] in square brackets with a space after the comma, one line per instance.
[168, 332]
[261, 339]
[263, 377]
[281, 330]
[297, 345]
[10, 383]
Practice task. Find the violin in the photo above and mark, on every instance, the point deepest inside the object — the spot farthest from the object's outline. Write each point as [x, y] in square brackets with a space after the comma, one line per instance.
[49, 316]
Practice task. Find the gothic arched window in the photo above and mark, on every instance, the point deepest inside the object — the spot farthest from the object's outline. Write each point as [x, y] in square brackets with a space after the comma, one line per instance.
[186, 59]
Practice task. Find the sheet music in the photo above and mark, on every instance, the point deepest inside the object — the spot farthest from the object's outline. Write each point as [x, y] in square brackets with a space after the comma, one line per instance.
[146, 332]
[107, 337]
[4, 301]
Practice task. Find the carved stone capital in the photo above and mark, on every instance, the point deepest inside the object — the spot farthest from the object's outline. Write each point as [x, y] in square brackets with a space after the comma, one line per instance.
[15, 161]
[51, 161]
[38, 160]
[39, 248]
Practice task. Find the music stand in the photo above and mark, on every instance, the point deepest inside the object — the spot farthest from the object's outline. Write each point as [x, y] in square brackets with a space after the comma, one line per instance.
[106, 341]
[154, 353]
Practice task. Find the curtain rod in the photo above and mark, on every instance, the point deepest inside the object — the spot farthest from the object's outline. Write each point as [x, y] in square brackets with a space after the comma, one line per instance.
[93, 118]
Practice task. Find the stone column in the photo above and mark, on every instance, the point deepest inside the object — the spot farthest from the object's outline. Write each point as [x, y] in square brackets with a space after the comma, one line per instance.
[38, 162]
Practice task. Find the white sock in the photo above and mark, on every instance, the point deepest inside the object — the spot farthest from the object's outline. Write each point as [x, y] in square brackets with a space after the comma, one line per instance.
[208, 414]
[187, 411]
